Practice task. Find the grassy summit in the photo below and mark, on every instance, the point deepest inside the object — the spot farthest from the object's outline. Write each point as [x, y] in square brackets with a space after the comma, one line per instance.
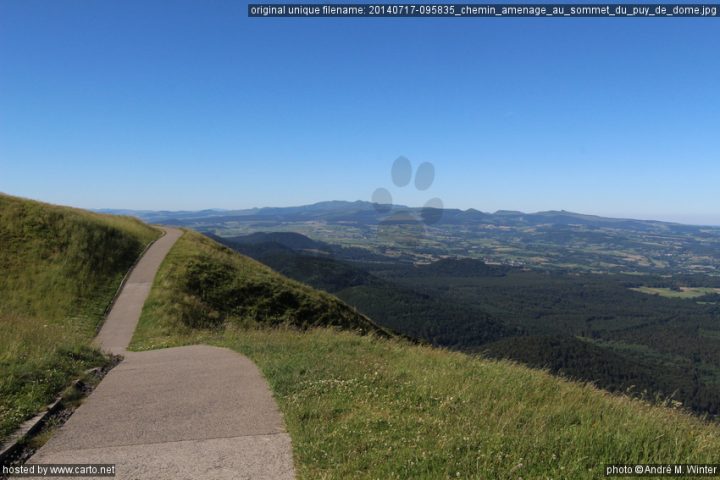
[59, 269]
[371, 407]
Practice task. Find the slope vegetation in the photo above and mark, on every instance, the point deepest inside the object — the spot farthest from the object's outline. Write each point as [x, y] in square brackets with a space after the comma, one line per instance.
[204, 285]
[436, 319]
[60, 268]
[362, 406]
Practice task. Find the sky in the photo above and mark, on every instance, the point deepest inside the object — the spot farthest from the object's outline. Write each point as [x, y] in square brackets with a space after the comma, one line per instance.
[191, 104]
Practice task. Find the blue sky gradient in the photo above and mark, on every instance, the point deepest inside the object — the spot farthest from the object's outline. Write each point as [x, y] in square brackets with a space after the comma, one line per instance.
[190, 105]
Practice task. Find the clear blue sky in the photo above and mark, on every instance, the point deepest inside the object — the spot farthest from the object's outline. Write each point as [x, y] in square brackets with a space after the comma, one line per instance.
[190, 104]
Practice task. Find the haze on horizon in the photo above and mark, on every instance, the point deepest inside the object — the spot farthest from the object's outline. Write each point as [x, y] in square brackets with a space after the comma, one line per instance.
[140, 106]
[688, 220]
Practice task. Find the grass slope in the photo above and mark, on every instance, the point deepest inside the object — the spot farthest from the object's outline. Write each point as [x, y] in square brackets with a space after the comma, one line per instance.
[369, 407]
[59, 269]
[202, 284]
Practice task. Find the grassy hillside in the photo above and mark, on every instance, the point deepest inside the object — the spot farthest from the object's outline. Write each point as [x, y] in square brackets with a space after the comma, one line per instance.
[202, 284]
[59, 269]
[369, 407]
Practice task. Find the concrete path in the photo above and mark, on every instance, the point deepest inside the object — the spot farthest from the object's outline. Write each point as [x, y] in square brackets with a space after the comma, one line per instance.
[195, 412]
[117, 331]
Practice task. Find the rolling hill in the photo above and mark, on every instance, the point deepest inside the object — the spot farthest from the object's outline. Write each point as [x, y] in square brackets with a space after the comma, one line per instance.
[559, 240]
[363, 211]
[60, 270]
[202, 284]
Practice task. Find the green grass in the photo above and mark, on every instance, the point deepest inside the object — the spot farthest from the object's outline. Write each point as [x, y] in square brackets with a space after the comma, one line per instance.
[369, 407]
[59, 269]
[202, 284]
[684, 292]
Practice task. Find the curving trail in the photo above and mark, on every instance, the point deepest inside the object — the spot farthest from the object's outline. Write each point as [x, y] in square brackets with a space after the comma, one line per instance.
[196, 412]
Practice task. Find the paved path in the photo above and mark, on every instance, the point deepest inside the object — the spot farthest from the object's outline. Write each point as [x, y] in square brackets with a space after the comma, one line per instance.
[117, 331]
[195, 412]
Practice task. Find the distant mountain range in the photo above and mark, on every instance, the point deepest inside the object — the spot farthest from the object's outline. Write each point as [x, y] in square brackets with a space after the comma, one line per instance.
[368, 213]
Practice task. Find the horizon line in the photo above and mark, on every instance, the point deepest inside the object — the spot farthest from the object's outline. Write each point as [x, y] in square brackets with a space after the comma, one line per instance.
[634, 217]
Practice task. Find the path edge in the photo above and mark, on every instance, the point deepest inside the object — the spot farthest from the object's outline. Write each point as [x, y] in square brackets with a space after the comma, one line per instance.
[125, 278]
[33, 425]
